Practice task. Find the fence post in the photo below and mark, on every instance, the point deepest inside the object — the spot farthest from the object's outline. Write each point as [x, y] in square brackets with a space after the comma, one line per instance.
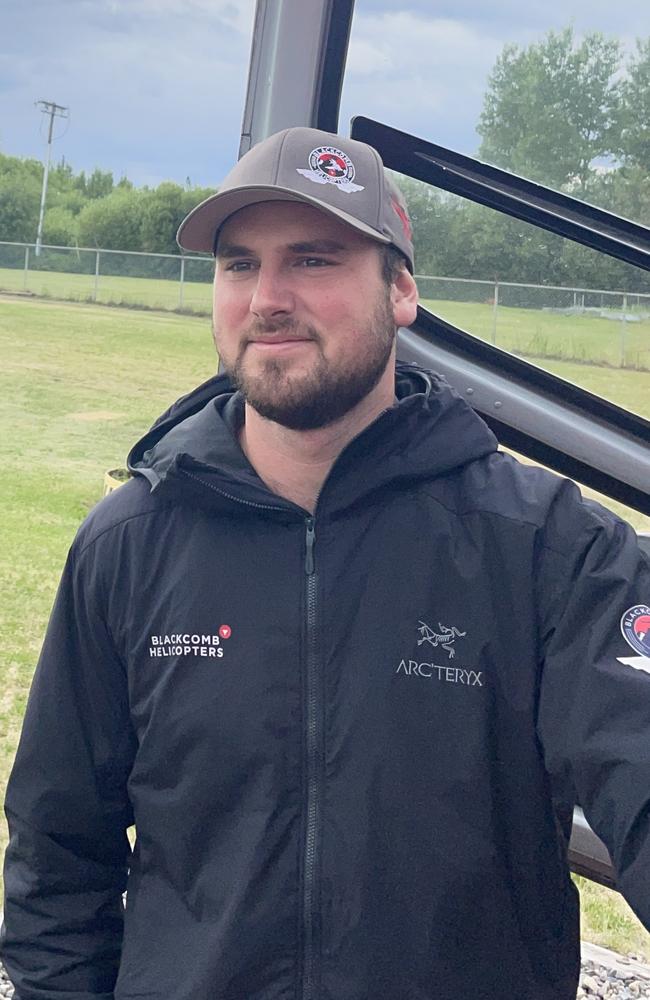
[494, 312]
[26, 268]
[180, 290]
[96, 288]
[623, 332]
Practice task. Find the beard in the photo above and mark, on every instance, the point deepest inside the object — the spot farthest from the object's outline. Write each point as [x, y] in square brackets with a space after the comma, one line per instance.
[309, 400]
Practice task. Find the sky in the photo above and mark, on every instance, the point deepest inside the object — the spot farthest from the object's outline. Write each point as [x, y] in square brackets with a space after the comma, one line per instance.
[155, 88]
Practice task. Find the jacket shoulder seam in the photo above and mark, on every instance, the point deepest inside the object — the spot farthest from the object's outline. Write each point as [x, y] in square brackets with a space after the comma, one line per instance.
[524, 522]
[117, 524]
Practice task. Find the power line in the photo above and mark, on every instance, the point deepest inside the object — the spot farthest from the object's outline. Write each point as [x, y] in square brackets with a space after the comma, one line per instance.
[54, 111]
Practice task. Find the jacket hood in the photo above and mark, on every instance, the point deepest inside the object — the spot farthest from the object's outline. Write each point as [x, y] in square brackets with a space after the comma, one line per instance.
[193, 446]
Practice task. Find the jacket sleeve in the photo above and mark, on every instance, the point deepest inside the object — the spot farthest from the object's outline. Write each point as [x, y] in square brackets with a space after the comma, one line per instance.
[594, 708]
[68, 810]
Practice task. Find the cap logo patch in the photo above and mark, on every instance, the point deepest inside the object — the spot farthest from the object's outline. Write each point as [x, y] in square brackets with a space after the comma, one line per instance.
[635, 626]
[329, 165]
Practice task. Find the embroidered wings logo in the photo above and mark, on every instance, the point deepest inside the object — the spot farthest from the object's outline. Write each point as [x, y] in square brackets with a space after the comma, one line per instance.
[328, 165]
[635, 626]
[444, 638]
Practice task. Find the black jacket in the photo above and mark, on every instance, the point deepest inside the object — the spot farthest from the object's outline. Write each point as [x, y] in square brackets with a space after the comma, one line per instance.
[351, 744]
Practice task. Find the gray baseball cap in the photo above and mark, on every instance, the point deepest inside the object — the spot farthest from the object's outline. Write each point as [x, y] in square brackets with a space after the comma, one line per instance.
[338, 175]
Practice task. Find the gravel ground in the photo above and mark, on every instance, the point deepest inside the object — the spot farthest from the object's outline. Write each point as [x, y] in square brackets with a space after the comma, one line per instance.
[609, 982]
[612, 984]
[6, 989]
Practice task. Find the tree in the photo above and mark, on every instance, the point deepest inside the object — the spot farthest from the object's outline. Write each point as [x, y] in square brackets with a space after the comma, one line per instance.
[625, 191]
[553, 108]
[162, 214]
[61, 176]
[19, 201]
[16, 166]
[635, 137]
[59, 227]
[112, 223]
[73, 201]
[98, 185]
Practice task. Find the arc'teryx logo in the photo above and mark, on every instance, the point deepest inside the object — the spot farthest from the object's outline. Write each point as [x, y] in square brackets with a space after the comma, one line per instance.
[445, 637]
[453, 675]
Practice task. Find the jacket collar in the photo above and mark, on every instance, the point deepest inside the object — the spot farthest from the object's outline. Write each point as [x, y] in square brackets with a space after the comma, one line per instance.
[192, 451]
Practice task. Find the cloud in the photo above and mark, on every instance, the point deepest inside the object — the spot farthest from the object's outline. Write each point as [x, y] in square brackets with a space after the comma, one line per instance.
[154, 89]
[421, 74]
[236, 16]
[411, 41]
[428, 74]
[503, 17]
[366, 58]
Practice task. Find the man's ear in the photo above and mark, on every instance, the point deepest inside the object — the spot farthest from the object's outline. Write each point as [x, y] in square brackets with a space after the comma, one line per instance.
[404, 298]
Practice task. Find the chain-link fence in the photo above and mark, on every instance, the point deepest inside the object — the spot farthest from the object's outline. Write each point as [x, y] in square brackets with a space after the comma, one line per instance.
[577, 324]
[114, 277]
[591, 326]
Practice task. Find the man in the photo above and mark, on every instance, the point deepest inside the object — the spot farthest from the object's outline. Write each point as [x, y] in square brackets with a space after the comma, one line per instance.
[345, 666]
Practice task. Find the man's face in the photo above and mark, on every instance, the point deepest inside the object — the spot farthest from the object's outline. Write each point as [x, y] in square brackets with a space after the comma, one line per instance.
[303, 321]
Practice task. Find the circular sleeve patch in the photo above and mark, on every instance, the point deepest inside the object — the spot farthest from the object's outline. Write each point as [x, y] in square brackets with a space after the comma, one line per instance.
[635, 626]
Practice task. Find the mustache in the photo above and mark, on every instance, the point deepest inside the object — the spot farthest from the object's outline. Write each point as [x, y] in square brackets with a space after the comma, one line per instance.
[262, 328]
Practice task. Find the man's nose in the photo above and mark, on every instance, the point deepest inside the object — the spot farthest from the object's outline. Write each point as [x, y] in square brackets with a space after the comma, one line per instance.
[272, 295]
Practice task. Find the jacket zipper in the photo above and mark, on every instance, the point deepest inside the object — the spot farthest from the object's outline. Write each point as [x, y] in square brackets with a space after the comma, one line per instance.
[313, 744]
[313, 762]
[229, 496]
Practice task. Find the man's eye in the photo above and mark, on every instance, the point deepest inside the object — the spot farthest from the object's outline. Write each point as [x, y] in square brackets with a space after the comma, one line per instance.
[314, 262]
[239, 266]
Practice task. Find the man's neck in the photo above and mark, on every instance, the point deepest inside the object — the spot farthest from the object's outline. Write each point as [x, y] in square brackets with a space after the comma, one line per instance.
[295, 464]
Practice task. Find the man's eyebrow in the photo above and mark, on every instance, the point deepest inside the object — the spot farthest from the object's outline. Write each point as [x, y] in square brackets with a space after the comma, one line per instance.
[317, 246]
[230, 250]
[233, 250]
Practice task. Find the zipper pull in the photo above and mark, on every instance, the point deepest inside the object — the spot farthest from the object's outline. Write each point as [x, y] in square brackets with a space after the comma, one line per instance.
[309, 554]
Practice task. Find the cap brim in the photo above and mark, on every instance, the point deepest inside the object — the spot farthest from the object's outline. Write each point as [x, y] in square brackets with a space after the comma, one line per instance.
[198, 230]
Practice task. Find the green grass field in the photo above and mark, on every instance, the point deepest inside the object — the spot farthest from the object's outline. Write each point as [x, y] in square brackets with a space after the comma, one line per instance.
[151, 293]
[79, 385]
[534, 333]
[530, 332]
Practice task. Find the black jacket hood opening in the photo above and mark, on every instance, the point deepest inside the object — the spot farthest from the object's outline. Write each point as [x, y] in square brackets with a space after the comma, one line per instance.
[430, 430]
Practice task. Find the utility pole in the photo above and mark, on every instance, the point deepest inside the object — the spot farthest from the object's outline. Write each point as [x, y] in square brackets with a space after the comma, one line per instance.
[54, 111]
